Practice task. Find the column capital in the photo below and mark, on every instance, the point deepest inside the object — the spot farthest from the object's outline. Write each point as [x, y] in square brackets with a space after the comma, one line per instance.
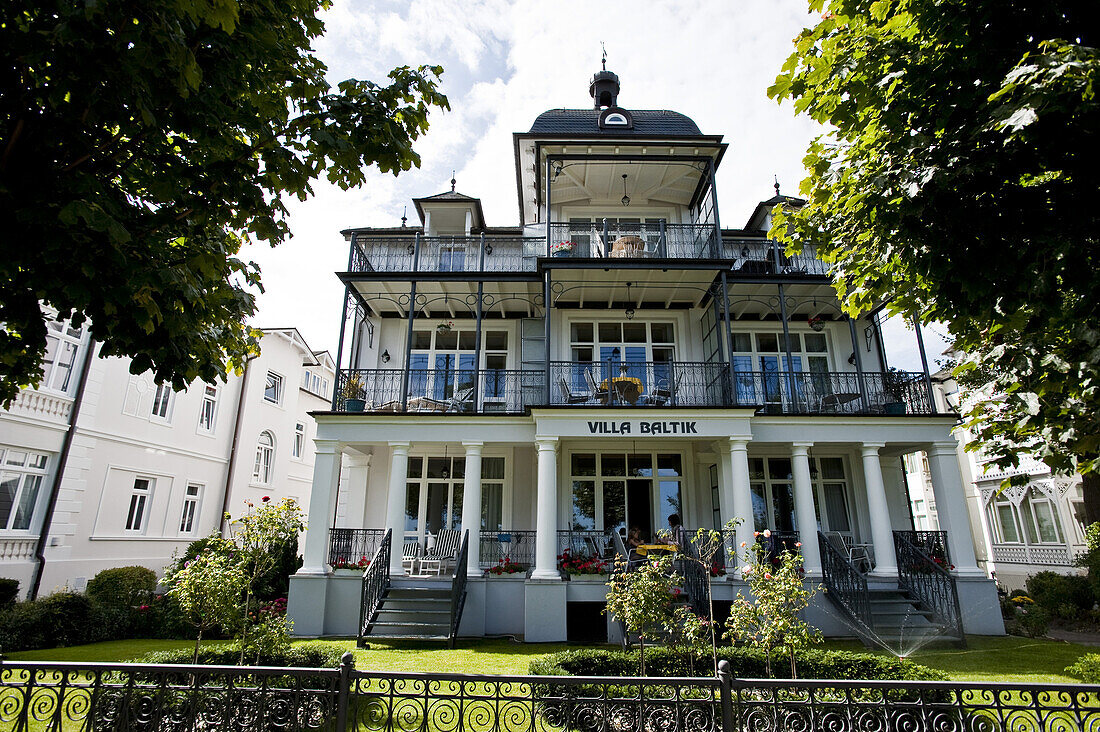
[739, 442]
[801, 448]
[400, 447]
[547, 443]
[358, 460]
[942, 448]
[327, 447]
[473, 446]
[871, 448]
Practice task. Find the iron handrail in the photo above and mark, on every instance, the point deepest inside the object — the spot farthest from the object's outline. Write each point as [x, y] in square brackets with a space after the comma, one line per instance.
[929, 583]
[376, 583]
[696, 582]
[458, 585]
[846, 586]
[350, 546]
[932, 543]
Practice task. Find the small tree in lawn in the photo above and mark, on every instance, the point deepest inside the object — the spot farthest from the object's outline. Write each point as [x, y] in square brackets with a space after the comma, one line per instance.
[259, 535]
[771, 619]
[709, 545]
[641, 598]
[208, 589]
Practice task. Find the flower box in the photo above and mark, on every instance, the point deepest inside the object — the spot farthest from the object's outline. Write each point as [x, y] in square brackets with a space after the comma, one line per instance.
[602, 578]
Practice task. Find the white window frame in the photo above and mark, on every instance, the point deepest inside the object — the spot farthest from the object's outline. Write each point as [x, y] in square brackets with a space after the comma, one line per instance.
[192, 509]
[29, 472]
[265, 459]
[139, 505]
[165, 413]
[66, 340]
[298, 446]
[601, 479]
[210, 394]
[280, 387]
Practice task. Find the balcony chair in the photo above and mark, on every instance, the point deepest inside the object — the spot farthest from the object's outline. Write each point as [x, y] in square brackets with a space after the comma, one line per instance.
[663, 391]
[443, 553]
[460, 402]
[593, 386]
[855, 553]
[567, 395]
[411, 552]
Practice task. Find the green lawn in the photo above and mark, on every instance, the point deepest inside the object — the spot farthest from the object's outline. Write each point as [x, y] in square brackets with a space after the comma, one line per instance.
[985, 658]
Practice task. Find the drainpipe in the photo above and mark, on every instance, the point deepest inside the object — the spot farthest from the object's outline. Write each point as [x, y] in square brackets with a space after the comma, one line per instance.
[62, 460]
[222, 525]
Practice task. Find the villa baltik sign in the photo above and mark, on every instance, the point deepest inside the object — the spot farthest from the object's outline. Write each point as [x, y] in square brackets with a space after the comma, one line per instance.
[640, 427]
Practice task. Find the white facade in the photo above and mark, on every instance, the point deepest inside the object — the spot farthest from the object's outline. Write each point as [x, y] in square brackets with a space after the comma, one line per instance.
[617, 357]
[147, 469]
[1020, 530]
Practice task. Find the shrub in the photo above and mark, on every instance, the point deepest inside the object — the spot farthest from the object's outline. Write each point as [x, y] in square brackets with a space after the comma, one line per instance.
[123, 586]
[1087, 667]
[63, 619]
[744, 663]
[1064, 596]
[9, 591]
[1033, 622]
[299, 655]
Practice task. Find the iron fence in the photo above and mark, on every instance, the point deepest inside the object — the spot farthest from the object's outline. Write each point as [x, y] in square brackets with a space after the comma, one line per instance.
[628, 383]
[516, 546]
[846, 587]
[446, 390]
[582, 544]
[430, 254]
[753, 256]
[352, 547]
[832, 392]
[106, 696]
[931, 543]
[376, 583]
[929, 583]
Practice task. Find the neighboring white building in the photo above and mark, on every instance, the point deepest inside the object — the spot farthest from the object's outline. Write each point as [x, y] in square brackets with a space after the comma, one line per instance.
[617, 357]
[146, 470]
[1020, 530]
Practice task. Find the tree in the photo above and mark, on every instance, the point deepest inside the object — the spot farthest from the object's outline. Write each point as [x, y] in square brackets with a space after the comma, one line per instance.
[208, 589]
[955, 184]
[641, 599]
[141, 144]
[772, 617]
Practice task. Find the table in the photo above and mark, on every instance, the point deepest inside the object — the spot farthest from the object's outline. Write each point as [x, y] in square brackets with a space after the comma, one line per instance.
[628, 246]
[627, 388]
[831, 401]
[644, 549]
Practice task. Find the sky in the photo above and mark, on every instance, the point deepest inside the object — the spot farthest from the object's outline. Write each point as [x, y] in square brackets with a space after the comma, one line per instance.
[506, 62]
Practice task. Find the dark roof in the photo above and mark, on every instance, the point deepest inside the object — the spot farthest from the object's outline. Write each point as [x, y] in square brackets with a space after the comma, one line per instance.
[448, 196]
[586, 121]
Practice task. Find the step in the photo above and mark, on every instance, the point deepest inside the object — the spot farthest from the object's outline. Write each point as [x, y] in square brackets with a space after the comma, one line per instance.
[420, 591]
[412, 611]
[417, 603]
[413, 637]
[407, 624]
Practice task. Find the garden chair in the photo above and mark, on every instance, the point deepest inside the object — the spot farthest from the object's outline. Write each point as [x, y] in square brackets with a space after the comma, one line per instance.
[593, 387]
[567, 395]
[446, 547]
[411, 552]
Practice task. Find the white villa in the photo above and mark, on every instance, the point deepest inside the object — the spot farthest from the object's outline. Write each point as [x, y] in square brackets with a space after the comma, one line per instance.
[621, 355]
[102, 468]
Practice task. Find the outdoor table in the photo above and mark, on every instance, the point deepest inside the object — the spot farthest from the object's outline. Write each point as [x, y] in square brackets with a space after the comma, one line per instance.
[627, 246]
[644, 549]
[627, 388]
[831, 401]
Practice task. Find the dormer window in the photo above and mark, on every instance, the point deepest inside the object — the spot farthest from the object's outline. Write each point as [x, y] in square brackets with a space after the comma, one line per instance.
[616, 118]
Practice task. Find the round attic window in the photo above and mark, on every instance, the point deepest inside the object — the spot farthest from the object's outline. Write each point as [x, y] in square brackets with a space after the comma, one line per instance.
[617, 118]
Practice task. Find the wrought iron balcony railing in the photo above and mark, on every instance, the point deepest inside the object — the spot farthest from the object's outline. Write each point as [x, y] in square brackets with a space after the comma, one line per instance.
[653, 240]
[754, 256]
[445, 254]
[621, 384]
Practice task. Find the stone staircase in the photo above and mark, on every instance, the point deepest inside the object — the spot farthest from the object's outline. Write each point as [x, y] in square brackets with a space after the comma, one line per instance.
[897, 618]
[414, 610]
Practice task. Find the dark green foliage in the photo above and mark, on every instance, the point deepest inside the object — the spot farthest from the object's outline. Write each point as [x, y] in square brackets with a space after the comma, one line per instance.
[744, 663]
[275, 582]
[1063, 596]
[155, 139]
[1087, 668]
[300, 655]
[63, 619]
[122, 587]
[9, 591]
[1033, 622]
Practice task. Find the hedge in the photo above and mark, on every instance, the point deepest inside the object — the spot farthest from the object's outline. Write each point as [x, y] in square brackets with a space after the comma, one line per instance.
[744, 663]
[1087, 668]
[9, 591]
[299, 655]
[123, 586]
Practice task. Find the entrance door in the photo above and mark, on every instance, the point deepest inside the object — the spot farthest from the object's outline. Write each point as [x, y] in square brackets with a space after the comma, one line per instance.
[639, 502]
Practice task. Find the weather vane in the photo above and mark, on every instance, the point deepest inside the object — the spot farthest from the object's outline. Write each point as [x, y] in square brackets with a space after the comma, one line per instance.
[603, 60]
[452, 181]
[776, 177]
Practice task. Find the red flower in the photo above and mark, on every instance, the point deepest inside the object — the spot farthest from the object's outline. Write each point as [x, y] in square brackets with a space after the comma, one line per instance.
[265, 499]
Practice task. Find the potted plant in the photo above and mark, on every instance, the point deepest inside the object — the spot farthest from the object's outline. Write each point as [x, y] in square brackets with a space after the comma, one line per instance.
[353, 394]
[817, 323]
[350, 566]
[444, 327]
[894, 386]
[562, 249]
[505, 566]
[583, 566]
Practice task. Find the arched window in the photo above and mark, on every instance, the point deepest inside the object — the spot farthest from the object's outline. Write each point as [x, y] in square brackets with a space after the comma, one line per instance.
[265, 454]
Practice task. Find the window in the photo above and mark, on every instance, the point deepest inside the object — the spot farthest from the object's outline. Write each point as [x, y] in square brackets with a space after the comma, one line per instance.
[208, 411]
[139, 501]
[492, 493]
[434, 493]
[715, 499]
[299, 440]
[612, 491]
[265, 452]
[63, 343]
[773, 494]
[162, 402]
[273, 389]
[767, 353]
[189, 517]
[21, 476]
[315, 383]
[442, 364]
[639, 350]
[1032, 519]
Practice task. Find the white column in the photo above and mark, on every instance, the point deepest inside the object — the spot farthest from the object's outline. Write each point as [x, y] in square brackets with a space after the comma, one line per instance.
[395, 503]
[322, 504]
[804, 512]
[471, 504]
[546, 521]
[351, 504]
[882, 531]
[943, 468]
[742, 495]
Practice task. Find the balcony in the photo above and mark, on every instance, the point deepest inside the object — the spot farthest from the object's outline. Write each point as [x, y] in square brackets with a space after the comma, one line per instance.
[510, 254]
[626, 384]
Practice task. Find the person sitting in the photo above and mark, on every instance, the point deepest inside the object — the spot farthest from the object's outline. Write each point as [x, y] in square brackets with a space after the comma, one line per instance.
[676, 536]
[633, 541]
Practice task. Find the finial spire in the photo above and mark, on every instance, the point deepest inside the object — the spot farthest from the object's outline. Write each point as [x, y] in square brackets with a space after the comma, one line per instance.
[404, 218]
[452, 181]
[603, 60]
[776, 177]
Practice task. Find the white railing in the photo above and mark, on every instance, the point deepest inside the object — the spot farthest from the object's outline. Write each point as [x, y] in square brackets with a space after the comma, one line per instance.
[1049, 554]
[38, 404]
[13, 550]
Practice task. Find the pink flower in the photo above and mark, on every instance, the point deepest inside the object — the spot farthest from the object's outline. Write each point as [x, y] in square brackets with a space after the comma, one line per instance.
[798, 544]
[767, 533]
[747, 569]
[767, 575]
[744, 544]
[756, 533]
